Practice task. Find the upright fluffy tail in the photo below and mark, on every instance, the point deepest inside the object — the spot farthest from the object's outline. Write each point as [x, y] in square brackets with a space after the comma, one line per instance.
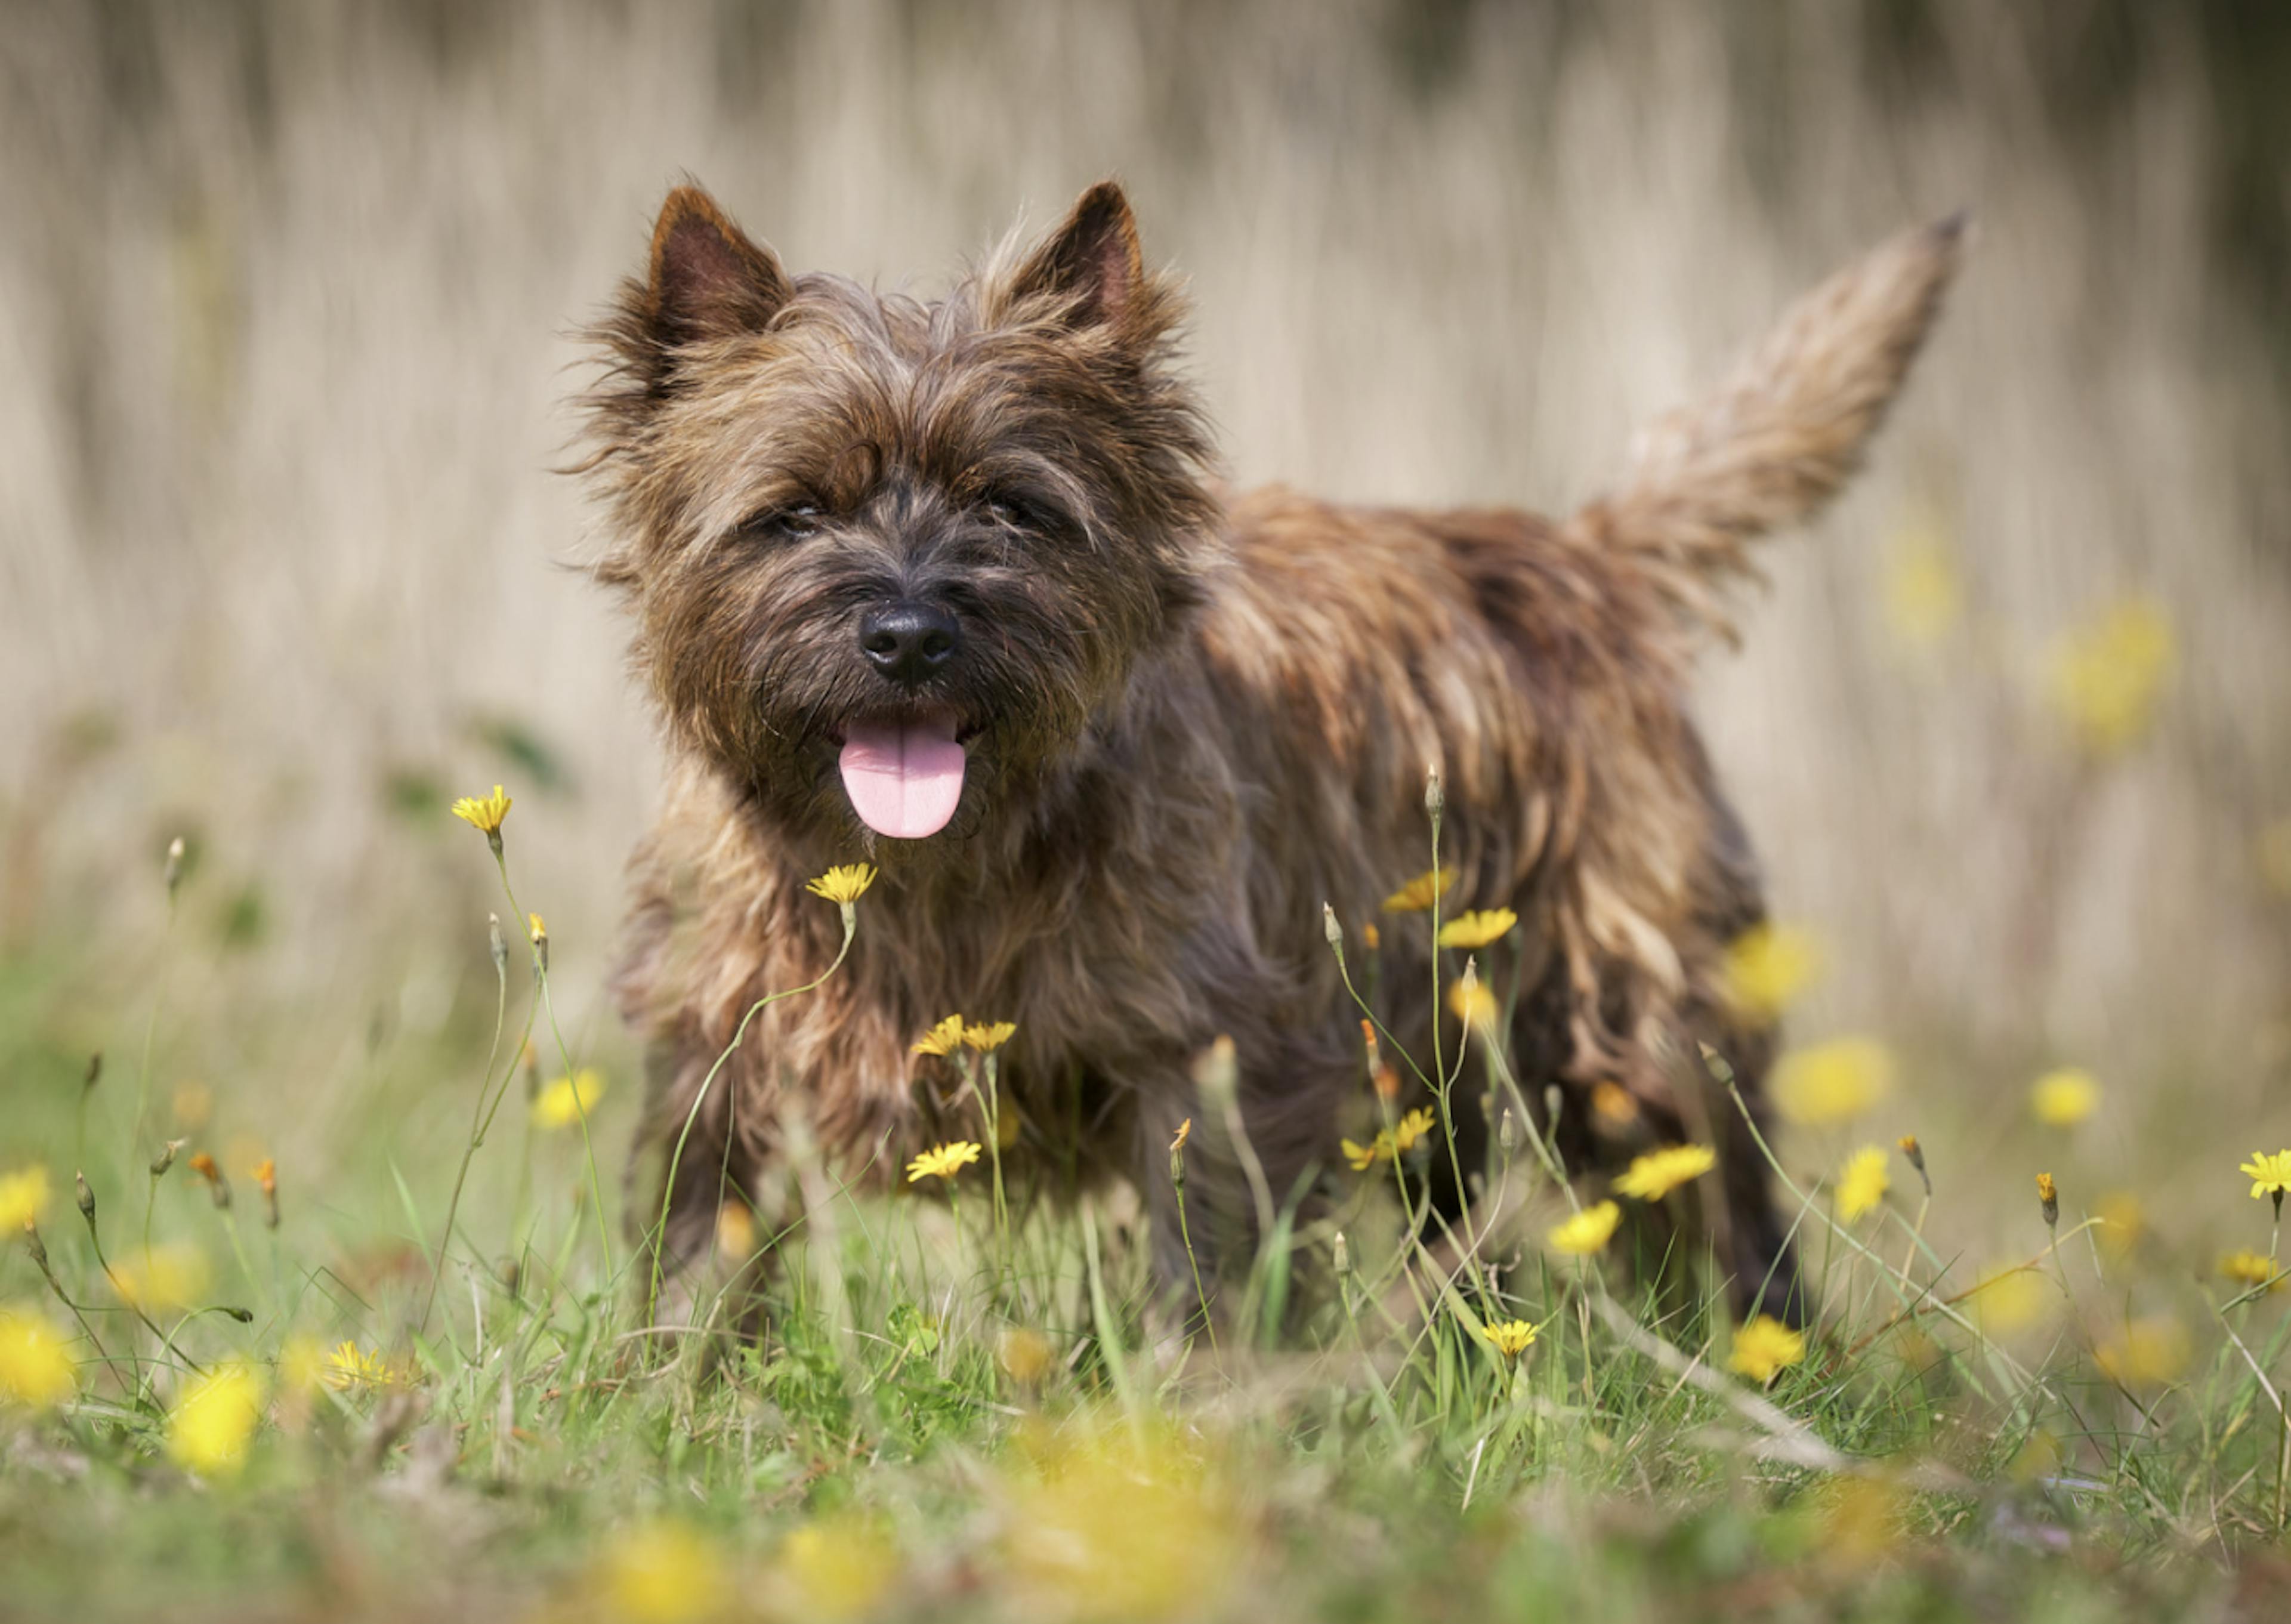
[1778, 439]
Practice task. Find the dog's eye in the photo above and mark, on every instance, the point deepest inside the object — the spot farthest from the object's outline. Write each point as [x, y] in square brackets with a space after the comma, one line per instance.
[789, 523]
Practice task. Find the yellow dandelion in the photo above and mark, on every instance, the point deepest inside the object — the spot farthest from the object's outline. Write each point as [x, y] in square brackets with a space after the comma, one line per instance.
[1478, 929]
[1767, 967]
[484, 813]
[1511, 1338]
[211, 1427]
[1471, 1002]
[2104, 678]
[1832, 1083]
[664, 1573]
[1862, 1183]
[1412, 1128]
[942, 1038]
[1923, 588]
[989, 1036]
[2147, 1352]
[1763, 1348]
[2065, 1097]
[1585, 1232]
[1659, 1172]
[37, 1370]
[565, 1101]
[2247, 1268]
[1419, 894]
[23, 1198]
[1363, 1157]
[350, 1366]
[2269, 1175]
[844, 884]
[944, 1162]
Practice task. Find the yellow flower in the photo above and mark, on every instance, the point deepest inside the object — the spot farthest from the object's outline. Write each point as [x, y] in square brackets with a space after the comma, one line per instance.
[1473, 1004]
[1510, 1339]
[2065, 1097]
[1184, 1131]
[1025, 1356]
[1767, 967]
[212, 1426]
[2105, 677]
[1612, 1103]
[942, 1038]
[944, 1162]
[1659, 1172]
[840, 1566]
[1924, 589]
[2269, 1175]
[565, 1101]
[1477, 929]
[2149, 1353]
[2005, 1300]
[170, 1276]
[35, 1364]
[844, 884]
[987, 1037]
[1410, 1128]
[735, 1231]
[1862, 1183]
[664, 1573]
[1588, 1231]
[1117, 1525]
[350, 1366]
[1365, 1156]
[1832, 1083]
[1419, 894]
[2123, 1220]
[484, 812]
[1763, 1348]
[2251, 1269]
[23, 1198]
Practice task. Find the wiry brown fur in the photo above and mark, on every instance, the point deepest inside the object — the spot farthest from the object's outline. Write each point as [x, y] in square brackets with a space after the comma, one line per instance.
[1192, 718]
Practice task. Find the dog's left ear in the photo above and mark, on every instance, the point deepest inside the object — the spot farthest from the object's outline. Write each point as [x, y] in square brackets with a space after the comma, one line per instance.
[1092, 262]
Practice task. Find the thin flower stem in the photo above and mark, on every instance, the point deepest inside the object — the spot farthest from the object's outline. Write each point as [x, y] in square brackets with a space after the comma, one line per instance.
[1199, 1294]
[477, 1122]
[150, 1024]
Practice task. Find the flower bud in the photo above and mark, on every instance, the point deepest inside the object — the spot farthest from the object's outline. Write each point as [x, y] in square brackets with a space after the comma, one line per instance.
[1436, 798]
[1916, 1153]
[2050, 1196]
[1507, 1132]
[174, 871]
[495, 946]
[86, 1196]
[1343, 1256]
[1216, 1073]
[1332, 929]
[36, 1246]
[166, 1159]
[1367, 1040]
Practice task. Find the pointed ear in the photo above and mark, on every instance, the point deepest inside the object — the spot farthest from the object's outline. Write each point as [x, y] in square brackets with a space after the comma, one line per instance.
[1092, 261]
[708, 279]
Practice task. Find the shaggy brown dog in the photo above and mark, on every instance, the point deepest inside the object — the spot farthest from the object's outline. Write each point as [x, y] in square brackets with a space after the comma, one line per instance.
[949, 588]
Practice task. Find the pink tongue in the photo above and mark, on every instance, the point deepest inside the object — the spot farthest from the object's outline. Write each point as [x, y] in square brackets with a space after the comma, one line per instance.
[903, 780]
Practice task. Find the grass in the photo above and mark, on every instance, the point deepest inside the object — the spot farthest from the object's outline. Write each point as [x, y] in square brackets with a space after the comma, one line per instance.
[427, 1388]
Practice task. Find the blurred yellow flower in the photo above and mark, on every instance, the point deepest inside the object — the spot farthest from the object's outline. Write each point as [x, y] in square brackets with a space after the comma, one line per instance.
[843, 884]
[2123, 1220]
[944, 1162]
[212, 1426]
[1659, 1172]
[350, 1366]
[192, 1105]
[173, 1275]
[23, 1198]
[988, 1036]
[1832, 1083]
[664, 1573]
[1511, 1338]
[564, 1101]
[2248, 1268]
[840, 1566]
[1363, 1157]
[484, 812]
[1477, 929]
[1410, 1127]
[2150, 1352]
[1763, 1348]
[942, 1038]
[1863, 1518]
[736, 1230]
[1110, 1525]
[1767, 967]
[1612, 1103]
[36, 1369]
[1471, 1002]
[1586, 1231]
[2005, 1300]
[1025, 1356]
[1419, 894]
[2106, 676]
[1862, 1183]
[2269, 1175]
[1923, 588]
[2065, 1097]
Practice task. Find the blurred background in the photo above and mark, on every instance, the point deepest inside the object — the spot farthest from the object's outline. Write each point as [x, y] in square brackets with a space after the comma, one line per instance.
[289, 298]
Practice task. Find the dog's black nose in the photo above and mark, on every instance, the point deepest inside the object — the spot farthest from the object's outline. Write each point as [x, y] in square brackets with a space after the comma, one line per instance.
[907, 641]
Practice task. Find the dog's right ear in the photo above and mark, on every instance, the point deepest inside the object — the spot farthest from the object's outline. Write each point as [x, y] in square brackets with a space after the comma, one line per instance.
[708, 279]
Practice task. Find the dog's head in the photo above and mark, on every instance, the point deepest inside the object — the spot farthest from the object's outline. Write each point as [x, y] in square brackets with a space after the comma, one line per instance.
[889, 559]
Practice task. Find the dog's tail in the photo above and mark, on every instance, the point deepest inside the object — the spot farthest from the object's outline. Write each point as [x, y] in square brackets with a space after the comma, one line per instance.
[1783, 433]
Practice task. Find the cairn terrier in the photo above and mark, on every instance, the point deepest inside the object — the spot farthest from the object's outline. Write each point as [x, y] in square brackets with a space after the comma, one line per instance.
[951, 589]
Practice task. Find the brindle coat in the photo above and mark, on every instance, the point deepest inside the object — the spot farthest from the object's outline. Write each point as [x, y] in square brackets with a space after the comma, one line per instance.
[1192, 717]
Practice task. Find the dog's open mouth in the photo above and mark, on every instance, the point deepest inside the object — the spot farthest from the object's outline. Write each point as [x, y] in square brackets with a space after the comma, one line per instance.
[903, 778]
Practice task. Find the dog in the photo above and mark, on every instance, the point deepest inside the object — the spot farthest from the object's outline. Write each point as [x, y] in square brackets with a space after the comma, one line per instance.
[952, 588]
